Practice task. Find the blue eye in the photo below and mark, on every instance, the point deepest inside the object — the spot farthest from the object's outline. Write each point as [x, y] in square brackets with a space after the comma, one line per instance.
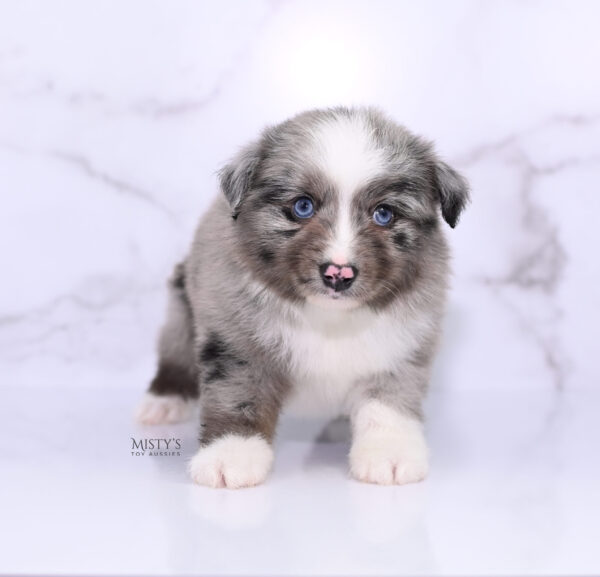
[383, 215]
[304, 208]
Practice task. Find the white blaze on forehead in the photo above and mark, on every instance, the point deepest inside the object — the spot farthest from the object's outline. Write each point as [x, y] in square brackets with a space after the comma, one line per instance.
[346, 152]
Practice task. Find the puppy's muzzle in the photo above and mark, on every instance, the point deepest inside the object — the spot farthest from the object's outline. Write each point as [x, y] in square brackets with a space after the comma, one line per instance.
[338, 277]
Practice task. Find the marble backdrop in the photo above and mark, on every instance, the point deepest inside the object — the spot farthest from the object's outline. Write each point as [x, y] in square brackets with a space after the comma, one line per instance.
[114, 117]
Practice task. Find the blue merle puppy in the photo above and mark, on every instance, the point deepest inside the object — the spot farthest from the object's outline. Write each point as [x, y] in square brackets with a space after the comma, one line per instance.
[316, 280]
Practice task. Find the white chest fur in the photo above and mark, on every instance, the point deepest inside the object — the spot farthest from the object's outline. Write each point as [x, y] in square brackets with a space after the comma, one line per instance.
[332, 351]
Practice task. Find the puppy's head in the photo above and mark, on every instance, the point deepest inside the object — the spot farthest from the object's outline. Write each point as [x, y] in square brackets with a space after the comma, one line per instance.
[341, 207]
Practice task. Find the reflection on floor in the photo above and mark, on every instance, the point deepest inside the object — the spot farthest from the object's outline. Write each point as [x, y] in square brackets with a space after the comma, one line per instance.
[514, 489]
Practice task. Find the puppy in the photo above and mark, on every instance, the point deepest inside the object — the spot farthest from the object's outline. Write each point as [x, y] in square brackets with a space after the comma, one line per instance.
[317, 279]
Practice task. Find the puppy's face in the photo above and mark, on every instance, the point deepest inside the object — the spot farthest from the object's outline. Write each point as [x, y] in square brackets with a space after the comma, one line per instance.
[340, 208]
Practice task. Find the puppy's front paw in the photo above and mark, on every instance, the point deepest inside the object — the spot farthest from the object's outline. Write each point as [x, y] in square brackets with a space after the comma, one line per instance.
[232, 462]
[388, 447]
[159, 410]
[388, 461]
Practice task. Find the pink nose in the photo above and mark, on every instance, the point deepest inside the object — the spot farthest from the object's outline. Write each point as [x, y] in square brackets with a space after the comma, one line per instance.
[338, 277]
[343, 271]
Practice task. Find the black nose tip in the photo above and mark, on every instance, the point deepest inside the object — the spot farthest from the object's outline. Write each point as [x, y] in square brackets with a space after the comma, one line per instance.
[338, 277]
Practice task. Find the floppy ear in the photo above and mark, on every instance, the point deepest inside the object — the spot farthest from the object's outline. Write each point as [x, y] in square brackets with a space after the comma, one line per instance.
[237, 176]
[453, 191]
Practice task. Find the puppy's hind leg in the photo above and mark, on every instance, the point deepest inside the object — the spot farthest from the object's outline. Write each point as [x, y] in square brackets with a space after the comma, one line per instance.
[174, 389]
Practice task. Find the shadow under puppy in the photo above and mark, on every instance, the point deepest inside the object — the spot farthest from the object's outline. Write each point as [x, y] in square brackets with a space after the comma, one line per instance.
[316, 280]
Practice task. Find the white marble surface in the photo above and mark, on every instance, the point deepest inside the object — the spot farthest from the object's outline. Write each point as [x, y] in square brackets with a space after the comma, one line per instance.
[514, 489]
[114, 118]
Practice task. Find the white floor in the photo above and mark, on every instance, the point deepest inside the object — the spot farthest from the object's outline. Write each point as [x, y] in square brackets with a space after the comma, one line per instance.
[514, 489]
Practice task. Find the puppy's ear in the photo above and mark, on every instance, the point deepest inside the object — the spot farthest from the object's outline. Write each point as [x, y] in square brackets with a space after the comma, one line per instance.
[453, 191]
[237, 176]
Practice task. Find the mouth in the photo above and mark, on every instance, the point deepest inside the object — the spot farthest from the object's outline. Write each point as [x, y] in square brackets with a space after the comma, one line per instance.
[326, 297]
[335, 295]
[333, 300]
